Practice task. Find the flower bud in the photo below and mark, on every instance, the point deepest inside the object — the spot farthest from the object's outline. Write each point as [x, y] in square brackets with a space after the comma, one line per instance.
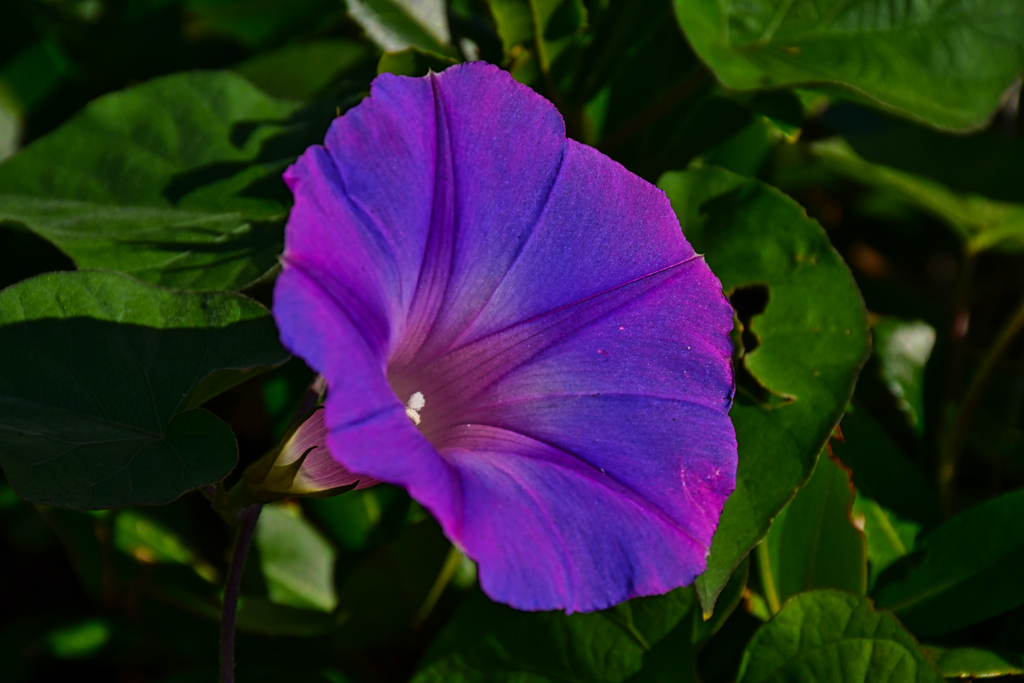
[305, 466]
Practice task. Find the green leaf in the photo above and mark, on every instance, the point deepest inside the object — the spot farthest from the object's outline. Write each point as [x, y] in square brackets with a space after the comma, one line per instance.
[805, 349]
[945, 63]
[883, 472]
[257, 23]
[413, 61]
[301, 71]
[96, 381]
[138, 535]
[984, 163]
[138, 532]
[673, 659]
[888, 537]
[813, 542]
[970, 570]
[834, 636]
[705, 626]
[381, 599]
[746, 151]
[557, 21]
[903, 348]
[79, 641]
[174, 181]
[352, 519]
[397, 24]
[971, 662]
[894, 500]
[644, 97]
[297, 562]
[35, 73]
[981, 223]
[489, 642]
[11, 124]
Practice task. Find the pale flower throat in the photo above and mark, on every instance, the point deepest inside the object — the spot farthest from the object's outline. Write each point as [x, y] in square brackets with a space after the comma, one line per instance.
[414, 406]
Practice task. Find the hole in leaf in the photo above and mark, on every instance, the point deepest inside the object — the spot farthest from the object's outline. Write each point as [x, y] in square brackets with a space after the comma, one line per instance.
[748, 301]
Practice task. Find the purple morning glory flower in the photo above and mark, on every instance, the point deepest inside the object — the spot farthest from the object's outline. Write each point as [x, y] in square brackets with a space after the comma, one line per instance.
[513, 328]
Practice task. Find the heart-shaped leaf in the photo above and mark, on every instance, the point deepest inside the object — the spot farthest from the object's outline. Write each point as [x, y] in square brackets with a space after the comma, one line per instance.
[489, 642]
[829, 635]
[97, 381]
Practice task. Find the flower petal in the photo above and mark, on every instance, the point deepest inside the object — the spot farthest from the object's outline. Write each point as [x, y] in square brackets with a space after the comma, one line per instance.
[572, 351]
[552, 533]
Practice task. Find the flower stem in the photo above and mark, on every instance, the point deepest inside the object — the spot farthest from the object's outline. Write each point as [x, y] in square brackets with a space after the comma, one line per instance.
[234, 580]
[764, 563]
[953, 444]
[451, 563]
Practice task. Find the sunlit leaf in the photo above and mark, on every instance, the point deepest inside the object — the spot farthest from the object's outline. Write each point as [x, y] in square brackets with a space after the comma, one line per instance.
[297, 562]
[946, 63]
[829, 635]
[397, 24]
[972, 662]
[903, 348]
[888, 537]
[138, 535]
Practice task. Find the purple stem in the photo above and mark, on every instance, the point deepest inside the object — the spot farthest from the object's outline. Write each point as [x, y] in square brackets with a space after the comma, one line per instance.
[234, 580]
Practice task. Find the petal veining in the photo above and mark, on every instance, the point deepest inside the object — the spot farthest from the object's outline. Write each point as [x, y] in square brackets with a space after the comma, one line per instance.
[570, 352]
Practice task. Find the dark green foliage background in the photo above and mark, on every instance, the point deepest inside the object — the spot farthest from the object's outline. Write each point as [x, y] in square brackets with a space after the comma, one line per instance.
[851, 170]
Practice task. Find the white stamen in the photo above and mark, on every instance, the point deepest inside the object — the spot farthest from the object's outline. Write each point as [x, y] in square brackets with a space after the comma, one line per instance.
[415, 404]
[416, 401]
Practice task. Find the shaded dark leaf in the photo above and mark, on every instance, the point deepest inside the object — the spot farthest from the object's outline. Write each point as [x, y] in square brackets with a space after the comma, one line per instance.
[96, 389]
